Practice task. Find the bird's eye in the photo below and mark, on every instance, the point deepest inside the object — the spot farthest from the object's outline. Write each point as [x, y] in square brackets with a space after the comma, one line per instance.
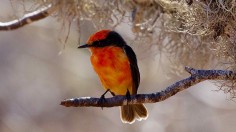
[100, 43]
[95, 44]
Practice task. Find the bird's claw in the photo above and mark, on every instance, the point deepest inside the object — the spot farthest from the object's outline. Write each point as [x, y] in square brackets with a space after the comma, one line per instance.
[101, 101]
[128, 96]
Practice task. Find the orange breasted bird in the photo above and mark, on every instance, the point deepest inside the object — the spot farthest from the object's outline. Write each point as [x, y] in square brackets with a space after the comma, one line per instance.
[116, 65]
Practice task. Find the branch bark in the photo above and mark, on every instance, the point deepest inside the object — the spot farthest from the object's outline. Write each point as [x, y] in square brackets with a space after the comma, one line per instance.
[28, 18]
[196, 77]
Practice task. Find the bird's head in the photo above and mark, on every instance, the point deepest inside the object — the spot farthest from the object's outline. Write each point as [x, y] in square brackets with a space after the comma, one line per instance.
[104, 38]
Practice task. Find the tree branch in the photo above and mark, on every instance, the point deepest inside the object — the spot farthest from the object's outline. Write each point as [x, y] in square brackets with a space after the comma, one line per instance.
[27, 18]
[196, 77]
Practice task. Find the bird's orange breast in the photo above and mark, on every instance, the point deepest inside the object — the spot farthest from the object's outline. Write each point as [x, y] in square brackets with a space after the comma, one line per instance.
[113, 68]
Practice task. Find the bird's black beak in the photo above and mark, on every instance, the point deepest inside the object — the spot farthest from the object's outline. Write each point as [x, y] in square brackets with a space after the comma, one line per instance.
[84, 46]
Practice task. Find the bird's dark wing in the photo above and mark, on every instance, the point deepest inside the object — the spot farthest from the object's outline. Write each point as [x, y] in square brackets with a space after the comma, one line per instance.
[134, 67]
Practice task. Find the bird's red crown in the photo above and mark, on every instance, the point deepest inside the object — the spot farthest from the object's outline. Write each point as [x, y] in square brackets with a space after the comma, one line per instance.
[100, 35]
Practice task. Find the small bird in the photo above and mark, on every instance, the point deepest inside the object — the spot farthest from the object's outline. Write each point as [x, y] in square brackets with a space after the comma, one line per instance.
[116, 65]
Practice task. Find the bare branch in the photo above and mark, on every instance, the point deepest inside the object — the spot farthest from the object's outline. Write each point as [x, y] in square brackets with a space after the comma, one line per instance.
[28, 18]
[196, 77]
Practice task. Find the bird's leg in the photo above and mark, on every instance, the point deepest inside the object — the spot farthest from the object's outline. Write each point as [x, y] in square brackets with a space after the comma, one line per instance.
[102, 98]
[128, 96]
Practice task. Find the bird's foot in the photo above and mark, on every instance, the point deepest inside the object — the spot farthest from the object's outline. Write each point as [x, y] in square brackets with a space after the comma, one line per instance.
[102, 99]
[128, 96]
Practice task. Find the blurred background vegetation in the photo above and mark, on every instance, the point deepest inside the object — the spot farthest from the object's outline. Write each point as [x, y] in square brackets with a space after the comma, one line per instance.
[40, 64]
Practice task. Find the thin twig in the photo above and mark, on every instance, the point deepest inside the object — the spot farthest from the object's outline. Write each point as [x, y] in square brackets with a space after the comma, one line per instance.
[196, 77]
[28, 18]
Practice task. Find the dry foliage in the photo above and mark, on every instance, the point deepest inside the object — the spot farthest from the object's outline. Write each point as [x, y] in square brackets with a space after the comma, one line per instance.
[196, 33]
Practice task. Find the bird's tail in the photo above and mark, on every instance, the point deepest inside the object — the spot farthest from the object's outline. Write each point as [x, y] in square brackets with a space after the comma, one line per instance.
[129, 113]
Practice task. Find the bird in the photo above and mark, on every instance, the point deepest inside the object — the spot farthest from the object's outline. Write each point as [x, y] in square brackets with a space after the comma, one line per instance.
[116, 66]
